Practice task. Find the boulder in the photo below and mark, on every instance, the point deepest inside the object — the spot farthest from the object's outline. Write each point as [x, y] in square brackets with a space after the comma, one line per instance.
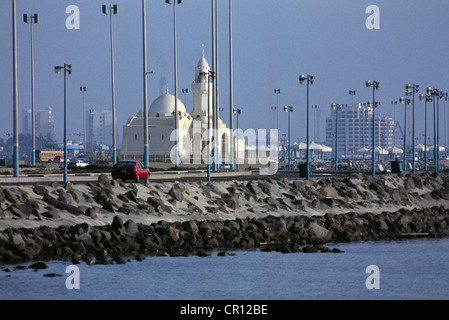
[218, 188]
[38, 265]
[231, 200]
[277, 228]
[131, 227]
[318, 233]
[62, 205]
[176, 194]
[117, 223]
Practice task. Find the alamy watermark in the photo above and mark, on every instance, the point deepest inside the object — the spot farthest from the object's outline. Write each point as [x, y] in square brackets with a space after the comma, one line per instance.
[223, 146]
[73, 280]
[373, 20]
[373, 280]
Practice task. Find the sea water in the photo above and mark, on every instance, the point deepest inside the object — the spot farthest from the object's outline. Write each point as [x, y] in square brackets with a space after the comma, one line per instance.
[407, 269]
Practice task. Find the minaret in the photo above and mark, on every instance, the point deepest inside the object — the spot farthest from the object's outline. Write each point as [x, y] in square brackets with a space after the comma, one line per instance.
[200, 89]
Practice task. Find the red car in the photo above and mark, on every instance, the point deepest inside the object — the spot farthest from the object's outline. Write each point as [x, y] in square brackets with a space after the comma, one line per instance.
[130, 170]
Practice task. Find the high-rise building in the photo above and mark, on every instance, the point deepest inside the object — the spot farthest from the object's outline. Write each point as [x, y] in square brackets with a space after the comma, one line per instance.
[98, 128]
[45, 125]
[355, 125]
[27, 122]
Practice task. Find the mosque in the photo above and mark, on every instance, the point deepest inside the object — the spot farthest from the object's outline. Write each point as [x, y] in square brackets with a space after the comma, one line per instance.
[192, 126]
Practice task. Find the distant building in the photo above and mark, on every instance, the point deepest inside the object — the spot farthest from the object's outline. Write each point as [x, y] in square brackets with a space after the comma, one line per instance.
[27, 122]
[45, 125]
[98, 128]
[355, 125]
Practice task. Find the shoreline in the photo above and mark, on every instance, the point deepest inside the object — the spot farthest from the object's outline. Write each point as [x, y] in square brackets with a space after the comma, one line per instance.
[105, 221]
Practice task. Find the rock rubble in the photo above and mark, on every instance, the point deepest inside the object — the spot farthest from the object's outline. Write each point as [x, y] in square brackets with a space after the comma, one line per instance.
[109, 220]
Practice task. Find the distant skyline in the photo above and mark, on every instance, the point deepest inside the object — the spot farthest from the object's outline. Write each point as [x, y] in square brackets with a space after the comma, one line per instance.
[274, 42]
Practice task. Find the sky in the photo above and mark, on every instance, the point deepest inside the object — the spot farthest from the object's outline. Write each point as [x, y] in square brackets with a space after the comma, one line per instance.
[273, 43]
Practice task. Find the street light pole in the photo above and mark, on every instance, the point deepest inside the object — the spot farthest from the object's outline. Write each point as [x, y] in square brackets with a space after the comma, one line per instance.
[83, 90]
[210, 75]
[405, 101]
[112, 10]
[375, 85]
[352, 94]
[288, 109]
[231, 91]
[15, 93]
[32, 19]
[309, 80]
[426, 98]
[439, 95]
[238, 112]
[336, 107]
[67, 69]
[277, 92]
[175, 55]
[314, 107]
[410, 90]
[434, 93]
[146, 142]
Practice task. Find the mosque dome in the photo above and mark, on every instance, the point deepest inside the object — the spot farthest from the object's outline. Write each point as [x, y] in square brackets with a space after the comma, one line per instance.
[165, 104]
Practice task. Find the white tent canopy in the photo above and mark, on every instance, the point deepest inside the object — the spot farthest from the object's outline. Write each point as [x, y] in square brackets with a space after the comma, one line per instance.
[421, 148]
[313, 146]
[379, 150]
[396, 150]
[440, 148]
[363, 150]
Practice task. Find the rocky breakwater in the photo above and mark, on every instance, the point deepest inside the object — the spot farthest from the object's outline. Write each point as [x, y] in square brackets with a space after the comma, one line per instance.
[110, 220]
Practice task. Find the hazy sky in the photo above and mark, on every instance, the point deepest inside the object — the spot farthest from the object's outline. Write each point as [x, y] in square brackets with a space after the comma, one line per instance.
[274, 42]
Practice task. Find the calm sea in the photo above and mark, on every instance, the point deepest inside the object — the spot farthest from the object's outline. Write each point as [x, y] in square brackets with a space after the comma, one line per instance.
[409, 269]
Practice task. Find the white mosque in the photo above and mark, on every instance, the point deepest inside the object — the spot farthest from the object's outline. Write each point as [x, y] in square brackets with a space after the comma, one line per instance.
[192, 126]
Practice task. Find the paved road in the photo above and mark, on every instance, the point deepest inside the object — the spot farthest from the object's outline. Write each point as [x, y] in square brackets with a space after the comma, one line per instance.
[155, 176]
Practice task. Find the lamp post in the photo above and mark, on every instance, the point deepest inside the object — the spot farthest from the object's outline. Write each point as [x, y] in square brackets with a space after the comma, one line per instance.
[336, 107]
[410, 91]
[426, 98]
[439, 94]
[352, 94]
[375, 85]
[15, 93]
[32, 19]
[185, 91]
[394, 104]
[433, 93]
[231, 90]
[405, 101]
[314, 107]
[175, 50]
[277, 92]
[238, 112]
[83, 90]
[288, 109]
[210, 75]
[146, 142]
[112, 10]
[67, 69]
[309, 79]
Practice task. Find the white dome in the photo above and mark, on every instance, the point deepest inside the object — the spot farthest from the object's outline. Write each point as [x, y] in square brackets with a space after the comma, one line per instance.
[165, 104]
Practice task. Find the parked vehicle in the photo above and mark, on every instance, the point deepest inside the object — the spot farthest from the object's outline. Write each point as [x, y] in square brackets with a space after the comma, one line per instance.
[130, 170]
[60, 159]
[101, 163]
[77, 163]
